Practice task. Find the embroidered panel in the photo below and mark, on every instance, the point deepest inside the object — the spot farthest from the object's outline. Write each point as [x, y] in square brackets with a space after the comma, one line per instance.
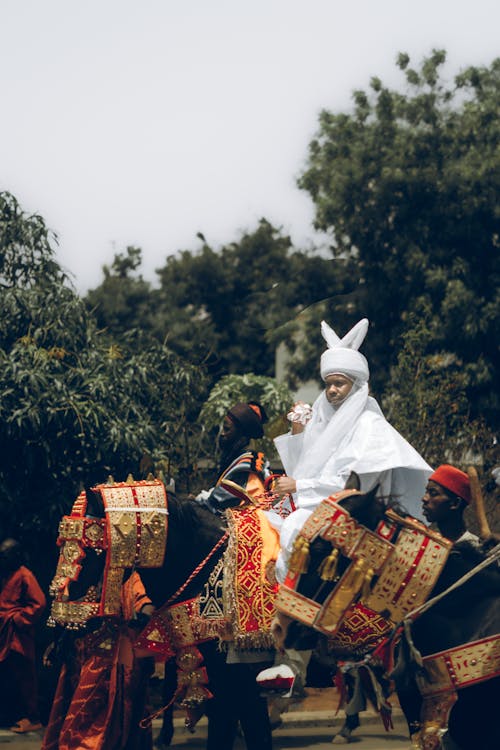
[373, 550]
[321, 518]
[461, 666]
[133, 533]
[410, 573]
[360, 631]
[296, 606]
[342, 597]
[137, 523]
[248, 594]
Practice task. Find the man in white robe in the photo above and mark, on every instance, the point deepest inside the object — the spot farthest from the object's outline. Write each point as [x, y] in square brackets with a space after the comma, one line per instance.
[346, 432]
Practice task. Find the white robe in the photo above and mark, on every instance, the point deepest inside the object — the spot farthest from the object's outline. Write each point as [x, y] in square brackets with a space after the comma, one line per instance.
[371, 447]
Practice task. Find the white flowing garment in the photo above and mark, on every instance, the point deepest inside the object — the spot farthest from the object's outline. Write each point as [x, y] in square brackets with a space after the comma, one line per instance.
[354, 437]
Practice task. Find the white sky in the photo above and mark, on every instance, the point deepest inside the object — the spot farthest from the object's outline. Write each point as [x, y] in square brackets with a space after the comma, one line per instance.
[142, 122]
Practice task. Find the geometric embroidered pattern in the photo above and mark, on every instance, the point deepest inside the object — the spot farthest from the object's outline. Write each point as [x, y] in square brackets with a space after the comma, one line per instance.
[461, 666]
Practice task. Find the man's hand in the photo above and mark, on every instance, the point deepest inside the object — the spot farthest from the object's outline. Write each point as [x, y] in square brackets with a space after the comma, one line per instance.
[285, 486]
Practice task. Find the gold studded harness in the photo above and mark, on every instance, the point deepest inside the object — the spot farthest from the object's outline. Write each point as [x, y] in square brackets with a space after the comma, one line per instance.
[133, 533]
[392, 570]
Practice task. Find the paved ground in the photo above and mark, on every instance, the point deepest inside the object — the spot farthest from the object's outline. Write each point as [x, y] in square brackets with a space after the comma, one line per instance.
[310, 724]
[371, 736]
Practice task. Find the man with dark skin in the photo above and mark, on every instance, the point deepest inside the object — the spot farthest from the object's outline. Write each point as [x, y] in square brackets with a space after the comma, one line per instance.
[237, 696]
[446, 497]
[22, 603]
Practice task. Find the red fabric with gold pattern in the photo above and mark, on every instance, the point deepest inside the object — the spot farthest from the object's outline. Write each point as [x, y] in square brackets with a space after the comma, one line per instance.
[97, 701]
[361, 630]
[248, 593]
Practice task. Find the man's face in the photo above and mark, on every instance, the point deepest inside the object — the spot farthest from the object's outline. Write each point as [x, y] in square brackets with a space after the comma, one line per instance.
[337, 388]
[228, 434]
[437, 502]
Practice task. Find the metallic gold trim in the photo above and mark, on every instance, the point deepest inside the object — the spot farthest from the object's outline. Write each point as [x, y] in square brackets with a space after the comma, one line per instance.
[461, 666]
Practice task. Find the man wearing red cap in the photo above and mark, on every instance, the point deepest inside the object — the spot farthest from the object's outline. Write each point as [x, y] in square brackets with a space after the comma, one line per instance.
[446, 497]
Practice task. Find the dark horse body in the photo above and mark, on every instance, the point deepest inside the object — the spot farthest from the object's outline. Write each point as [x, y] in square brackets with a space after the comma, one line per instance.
[195, 543]
[467, 614]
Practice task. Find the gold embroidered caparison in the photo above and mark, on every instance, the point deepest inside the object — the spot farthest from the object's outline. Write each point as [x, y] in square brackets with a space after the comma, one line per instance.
[133, 533]
[444, 673]
[390, 578]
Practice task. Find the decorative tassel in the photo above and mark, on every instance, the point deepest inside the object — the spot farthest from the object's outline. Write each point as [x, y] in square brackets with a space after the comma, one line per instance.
[328, 568]
[365, 589]
[299, 559]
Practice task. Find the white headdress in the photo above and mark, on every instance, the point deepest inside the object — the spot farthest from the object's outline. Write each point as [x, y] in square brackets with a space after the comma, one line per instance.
[342, 354]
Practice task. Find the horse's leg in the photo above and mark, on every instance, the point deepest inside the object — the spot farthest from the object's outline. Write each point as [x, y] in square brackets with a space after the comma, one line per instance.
[169, 687]
[410, 700]
[253, 709]
[356, 702]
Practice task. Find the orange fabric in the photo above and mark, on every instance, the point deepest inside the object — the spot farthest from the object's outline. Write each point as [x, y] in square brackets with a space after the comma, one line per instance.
[102, 688]
[22, 603]
[270, 543]
[255, 486]
[100, 697]
[133, 596]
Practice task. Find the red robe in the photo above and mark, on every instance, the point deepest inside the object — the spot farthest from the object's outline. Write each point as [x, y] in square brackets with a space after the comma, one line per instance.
[101, 690]
[22, 603]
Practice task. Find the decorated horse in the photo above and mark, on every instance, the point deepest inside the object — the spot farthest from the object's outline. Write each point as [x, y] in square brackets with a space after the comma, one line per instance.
[210, 579]
[373, 584]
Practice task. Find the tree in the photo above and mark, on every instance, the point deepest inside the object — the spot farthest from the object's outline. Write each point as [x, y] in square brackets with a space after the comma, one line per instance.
[122, 301]
[407, 187]
[75, 405]
[426, 401]
[230, 307]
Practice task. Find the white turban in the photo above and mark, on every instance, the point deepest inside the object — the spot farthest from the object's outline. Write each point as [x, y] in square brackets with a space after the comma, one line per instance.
[342, 354]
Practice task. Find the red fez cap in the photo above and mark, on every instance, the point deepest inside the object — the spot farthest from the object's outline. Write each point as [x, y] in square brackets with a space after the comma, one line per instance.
[452, 479]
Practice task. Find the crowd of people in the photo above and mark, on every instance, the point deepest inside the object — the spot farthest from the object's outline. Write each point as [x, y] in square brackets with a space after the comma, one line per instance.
[344, 431]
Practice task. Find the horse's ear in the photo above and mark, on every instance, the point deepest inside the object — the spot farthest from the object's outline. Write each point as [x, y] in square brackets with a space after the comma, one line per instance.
[372, 494]
[95, 506]
[353, 482]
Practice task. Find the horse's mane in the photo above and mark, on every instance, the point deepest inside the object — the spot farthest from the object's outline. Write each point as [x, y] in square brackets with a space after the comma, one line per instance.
[193, 531]
[468, 613]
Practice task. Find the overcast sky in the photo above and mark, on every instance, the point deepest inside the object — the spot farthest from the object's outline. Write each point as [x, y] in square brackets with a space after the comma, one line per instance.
[143, 122]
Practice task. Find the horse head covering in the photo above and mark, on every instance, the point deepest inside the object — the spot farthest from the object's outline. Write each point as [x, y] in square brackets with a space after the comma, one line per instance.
[342, 354]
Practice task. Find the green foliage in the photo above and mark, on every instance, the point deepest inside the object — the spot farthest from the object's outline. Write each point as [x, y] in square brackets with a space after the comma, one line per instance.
[75, 405]
[25, 247]
[230, 307]
[275, 397]
[122, 302]
[407, 187]
[223, 309]
[426, 400]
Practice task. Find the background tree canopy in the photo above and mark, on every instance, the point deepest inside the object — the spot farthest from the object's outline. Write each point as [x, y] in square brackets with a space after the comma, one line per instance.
[407, 187]
[75, 406]
[226, 308]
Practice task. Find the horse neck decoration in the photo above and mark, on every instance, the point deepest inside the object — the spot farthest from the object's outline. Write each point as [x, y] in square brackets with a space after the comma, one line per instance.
[178, 548]
[128, 523]
[358, 570]
[352, 561]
